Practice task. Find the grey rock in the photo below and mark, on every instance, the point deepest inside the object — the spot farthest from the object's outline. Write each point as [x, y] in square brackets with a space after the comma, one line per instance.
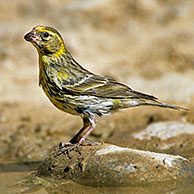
[165, 130]
[110, 165]
[171, 137]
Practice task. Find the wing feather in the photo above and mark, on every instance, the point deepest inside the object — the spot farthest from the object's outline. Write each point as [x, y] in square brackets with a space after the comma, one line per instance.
[79, 81]
[95, 85]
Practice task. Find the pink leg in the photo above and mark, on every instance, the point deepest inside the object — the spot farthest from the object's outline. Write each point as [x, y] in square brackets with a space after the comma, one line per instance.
[92, 126]
[77, 137]
[76, 140]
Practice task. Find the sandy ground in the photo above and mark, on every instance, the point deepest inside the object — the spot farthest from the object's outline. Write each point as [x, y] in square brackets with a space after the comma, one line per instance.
[145, 44]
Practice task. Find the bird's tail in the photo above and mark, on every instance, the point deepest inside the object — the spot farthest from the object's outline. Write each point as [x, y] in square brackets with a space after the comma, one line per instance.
[155, 102]
[139, 98]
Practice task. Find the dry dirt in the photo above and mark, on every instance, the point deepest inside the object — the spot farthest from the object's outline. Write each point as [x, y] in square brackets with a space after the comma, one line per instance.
[145, 44]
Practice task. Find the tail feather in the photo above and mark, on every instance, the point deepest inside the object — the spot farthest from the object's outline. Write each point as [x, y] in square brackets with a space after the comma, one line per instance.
[162, 104]
[138, 98]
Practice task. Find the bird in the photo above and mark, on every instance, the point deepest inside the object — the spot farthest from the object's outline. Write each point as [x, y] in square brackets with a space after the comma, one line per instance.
[76, 90]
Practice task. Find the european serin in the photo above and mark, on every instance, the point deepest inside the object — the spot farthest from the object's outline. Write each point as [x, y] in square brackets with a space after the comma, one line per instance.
[75, 90]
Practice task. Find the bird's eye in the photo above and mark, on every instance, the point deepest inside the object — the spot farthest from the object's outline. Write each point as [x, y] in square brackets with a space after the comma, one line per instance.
[46, 34]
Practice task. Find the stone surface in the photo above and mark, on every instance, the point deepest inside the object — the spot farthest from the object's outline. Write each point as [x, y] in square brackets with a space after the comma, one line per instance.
[172, 137]
[165, 130]
[110, 165]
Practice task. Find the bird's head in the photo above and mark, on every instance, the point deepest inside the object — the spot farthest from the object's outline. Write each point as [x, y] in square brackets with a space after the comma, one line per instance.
[46, 40]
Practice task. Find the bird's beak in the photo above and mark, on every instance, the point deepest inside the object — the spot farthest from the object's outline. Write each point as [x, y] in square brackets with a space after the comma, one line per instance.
[30, 36]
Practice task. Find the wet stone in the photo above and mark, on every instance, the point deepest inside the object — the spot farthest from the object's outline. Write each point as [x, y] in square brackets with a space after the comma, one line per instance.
[110, 165]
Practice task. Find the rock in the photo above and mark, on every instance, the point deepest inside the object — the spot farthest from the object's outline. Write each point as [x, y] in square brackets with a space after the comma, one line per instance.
[172, 137]
[168, 137]
[165, 130]
[110, 165]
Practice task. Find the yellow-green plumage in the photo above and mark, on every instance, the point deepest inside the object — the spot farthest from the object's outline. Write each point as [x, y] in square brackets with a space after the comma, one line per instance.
[75, 90]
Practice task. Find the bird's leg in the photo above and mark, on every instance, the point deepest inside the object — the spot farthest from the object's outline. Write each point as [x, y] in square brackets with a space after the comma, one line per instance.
[92, 122]
[89, 122]
[76, 138]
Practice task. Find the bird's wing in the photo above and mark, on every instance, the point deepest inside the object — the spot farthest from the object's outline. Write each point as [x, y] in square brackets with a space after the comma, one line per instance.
[78, 81]
[98, 86]
[95, 85]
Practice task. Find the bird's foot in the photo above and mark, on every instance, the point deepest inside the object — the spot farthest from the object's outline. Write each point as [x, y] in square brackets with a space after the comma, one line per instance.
[91, 142]
[68, 147]
[62, 145]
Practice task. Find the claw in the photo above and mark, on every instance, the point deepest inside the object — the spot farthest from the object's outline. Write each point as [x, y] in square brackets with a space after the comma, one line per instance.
[91, 141]
[68, 147]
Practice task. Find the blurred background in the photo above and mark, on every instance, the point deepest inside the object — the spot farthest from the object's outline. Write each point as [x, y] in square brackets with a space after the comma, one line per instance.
[147, 45]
